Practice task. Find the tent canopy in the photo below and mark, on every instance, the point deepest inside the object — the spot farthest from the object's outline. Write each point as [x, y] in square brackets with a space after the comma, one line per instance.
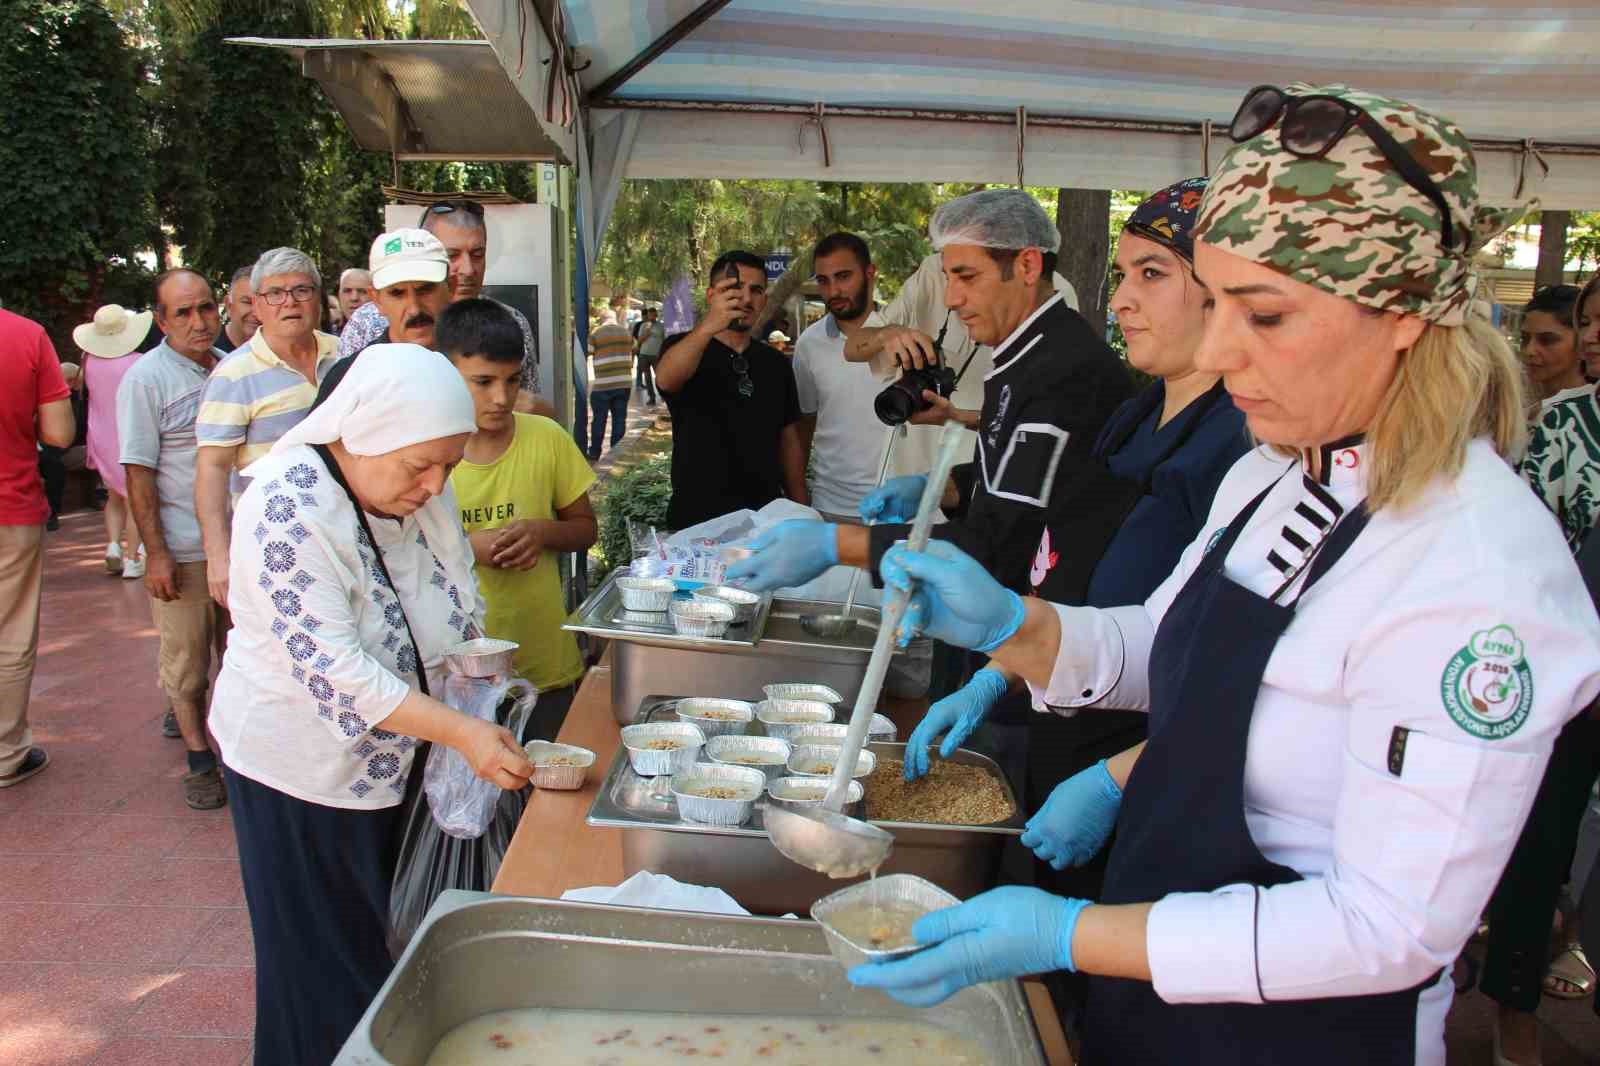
[1116, 92]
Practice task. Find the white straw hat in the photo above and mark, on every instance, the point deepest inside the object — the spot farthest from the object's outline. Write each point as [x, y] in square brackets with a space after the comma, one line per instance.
[113, 333]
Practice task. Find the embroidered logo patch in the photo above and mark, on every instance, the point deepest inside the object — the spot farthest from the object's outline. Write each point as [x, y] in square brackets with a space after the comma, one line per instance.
[1487, 687]
[391, 247]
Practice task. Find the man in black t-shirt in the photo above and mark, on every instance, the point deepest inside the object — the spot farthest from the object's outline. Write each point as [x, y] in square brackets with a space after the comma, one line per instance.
[735, 411]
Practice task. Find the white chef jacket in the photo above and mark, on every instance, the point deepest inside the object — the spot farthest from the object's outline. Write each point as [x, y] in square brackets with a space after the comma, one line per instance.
[1462, 619]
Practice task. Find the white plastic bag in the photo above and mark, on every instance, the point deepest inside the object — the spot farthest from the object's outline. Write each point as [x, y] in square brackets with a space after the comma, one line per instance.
[462, 802]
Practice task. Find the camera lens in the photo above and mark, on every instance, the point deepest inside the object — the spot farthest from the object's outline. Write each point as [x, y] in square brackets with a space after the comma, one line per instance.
[896, 404]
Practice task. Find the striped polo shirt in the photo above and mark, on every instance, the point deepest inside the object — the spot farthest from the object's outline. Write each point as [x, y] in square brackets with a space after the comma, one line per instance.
[612, 349]
[254, 397]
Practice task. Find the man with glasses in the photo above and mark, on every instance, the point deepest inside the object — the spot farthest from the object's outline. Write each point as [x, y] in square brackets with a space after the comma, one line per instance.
[157, 404]
[258, 394]
[460, 228]
[736, 439]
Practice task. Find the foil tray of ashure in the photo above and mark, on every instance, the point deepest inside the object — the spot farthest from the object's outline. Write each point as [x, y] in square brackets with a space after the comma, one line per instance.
[604, 614]
[963, 859]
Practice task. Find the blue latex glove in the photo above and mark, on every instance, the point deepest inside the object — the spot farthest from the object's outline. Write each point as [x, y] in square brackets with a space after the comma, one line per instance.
[1076, 820]
[953, 598]
[790, 553]
[896, 500]
[1004, 933]
[956, 716]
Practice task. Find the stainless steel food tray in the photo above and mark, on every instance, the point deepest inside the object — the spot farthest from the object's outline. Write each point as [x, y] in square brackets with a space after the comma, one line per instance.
[477, 953]
[742, 861]
[603, 615]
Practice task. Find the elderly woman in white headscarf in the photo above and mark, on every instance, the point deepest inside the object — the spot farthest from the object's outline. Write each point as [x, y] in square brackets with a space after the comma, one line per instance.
[350, 575]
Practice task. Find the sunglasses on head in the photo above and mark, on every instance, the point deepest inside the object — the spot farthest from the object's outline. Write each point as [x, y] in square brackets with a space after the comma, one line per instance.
[1312, 125]
[447, 207]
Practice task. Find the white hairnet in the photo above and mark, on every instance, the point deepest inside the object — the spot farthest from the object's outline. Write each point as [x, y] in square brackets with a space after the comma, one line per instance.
[1006, 219]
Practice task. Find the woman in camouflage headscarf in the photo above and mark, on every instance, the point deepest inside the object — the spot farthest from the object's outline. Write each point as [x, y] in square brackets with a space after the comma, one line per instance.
[1345, 732]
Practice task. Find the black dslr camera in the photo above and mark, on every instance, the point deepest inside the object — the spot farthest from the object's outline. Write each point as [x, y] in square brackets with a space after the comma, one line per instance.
[896, 404]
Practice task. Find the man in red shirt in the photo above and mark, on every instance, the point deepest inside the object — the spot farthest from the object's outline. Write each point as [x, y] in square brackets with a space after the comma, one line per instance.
[35, 408]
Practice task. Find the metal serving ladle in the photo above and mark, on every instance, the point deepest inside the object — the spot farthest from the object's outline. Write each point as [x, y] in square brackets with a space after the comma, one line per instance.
[821, 838]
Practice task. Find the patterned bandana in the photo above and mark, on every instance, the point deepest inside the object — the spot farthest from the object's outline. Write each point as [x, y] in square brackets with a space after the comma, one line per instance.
[1348, 223]
[1167, 217]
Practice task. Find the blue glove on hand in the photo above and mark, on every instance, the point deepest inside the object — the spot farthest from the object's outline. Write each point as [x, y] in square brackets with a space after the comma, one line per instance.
[896, 500]
[1004, 933]
[1076, 820]
[790, 553]
[956, 716]
[953, 599]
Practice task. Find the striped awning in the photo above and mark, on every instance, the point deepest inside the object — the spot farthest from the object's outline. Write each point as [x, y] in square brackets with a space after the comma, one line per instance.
[1089, 92]
[1501, 68]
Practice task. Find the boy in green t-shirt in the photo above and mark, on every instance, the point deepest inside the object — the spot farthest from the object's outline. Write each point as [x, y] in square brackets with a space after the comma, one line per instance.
[523, 491]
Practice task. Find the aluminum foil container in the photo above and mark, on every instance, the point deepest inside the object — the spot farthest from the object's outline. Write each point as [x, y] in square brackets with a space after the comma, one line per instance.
[540, 752]
[804, 759]
[810, 791]
[750, 783]
[647, 762]
[694, 709]
[890, 888]
[881, 730]
[483, 657]
[743, 602]
[700, 618]
[818, 733]
[780, 718]
[652, 594]
[803, 690]
[729, 750]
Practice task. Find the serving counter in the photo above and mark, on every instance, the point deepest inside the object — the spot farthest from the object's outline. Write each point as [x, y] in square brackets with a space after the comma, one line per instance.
[554, 849]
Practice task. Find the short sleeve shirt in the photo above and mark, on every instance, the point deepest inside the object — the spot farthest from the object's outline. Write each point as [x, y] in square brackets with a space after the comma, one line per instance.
[157, 404]
[30, 377]
[540, 472]
[847, 450]
[253, 398]
[725, 444]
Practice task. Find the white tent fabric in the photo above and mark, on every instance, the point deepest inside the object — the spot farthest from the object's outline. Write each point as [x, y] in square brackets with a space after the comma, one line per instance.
[1115, 91]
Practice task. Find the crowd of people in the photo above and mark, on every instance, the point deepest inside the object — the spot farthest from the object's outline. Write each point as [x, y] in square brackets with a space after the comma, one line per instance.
[1258, 640]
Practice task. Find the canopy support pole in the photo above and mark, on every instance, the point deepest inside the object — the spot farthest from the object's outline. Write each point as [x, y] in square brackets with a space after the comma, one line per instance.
[685, 26]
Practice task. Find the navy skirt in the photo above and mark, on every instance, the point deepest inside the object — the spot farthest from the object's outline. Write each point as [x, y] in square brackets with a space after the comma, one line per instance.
[316, 880]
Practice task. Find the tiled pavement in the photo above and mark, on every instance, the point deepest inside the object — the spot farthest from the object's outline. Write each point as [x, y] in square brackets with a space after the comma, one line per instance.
[123, 933]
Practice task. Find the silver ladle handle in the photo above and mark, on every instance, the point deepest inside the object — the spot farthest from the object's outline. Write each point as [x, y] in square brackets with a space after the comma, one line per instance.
[894, 609]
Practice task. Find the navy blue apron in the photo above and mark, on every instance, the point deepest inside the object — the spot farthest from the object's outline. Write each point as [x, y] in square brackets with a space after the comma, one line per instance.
[1182, 829]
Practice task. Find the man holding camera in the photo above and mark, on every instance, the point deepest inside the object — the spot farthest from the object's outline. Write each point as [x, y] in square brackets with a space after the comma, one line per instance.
[1054, 384]
[735, 413]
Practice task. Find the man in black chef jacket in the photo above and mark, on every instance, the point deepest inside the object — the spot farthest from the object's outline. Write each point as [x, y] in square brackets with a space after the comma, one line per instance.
[1054, 384]
[735, 410]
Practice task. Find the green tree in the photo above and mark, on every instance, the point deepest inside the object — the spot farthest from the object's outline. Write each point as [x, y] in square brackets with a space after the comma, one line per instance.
[79, 191]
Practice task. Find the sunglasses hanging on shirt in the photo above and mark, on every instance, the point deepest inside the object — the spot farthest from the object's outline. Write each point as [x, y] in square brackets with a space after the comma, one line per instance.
[1312, 125]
